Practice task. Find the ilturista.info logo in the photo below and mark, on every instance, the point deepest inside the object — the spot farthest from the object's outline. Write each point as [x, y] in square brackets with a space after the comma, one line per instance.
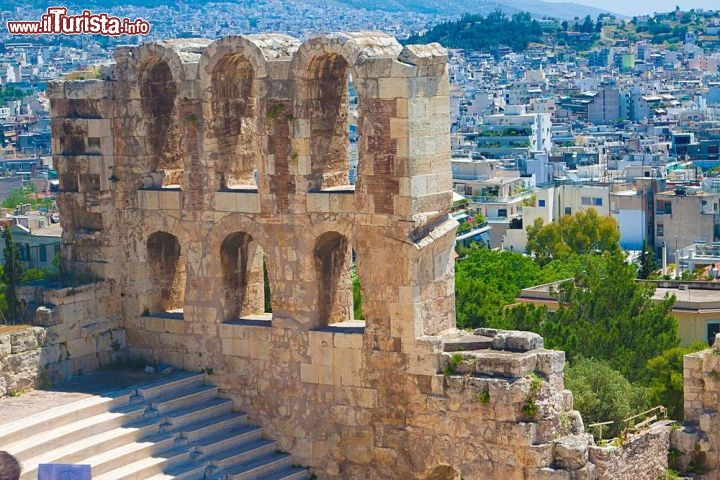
[57, 22]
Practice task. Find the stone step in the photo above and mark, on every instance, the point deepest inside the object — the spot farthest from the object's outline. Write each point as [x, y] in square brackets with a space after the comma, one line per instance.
[177, 381]
[184, 471]
[62, 415]
[209, 426]
[175, 400]
[228, 439]
[286, 473]
[95, 445]
[184, 432]
[264, 465]
[194, 413]
[69, 433]
[151, 467]
[115, 458]
[245, 452]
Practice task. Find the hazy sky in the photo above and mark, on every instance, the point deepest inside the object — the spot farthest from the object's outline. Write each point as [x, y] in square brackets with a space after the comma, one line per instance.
[639, 7]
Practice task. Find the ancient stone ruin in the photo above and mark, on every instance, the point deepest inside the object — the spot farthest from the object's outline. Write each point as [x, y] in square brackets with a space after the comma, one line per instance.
[210, 188]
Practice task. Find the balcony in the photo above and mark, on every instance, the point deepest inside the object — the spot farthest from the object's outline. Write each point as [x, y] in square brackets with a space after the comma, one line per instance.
[495, 199]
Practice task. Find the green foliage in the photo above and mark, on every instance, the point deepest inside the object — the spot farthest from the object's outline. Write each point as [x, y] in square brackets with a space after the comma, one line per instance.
[483, 397]
[32, 274]
[357, 297]
[267, 291]
[602, 394]
[530, 409]
[664, 378]
[22, 195]
[604, 314]
[11, 93]
[648, 264]
[475, 32]
[487, 281]
[12, 276]
[582, 233]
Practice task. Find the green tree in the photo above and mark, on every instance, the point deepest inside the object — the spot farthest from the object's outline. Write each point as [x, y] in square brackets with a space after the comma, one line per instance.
[648, 262]
[602, 394]
[17, 196]
[581, 233]
[12, 276]
[664, 378]
[486, 281]
[605, 314]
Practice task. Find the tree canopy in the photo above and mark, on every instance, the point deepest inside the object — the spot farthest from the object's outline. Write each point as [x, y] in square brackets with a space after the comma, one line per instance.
[476, 32]
[581, 233]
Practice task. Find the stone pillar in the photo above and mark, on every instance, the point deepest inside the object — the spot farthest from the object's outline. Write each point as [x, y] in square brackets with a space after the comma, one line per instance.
[84, 156]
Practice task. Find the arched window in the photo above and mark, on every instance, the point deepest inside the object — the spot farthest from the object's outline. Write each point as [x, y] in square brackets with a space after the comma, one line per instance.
[235, 122]
[328, 110]
[244, 278]
[167, 273]
[158, 92]
[333, 264]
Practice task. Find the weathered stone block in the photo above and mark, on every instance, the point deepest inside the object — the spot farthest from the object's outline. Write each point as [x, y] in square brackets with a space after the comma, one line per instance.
[571, 452]
[517, 341]
[506, 363]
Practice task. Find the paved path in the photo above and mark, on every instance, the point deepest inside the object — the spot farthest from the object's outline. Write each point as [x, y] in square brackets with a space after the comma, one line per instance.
[83, 386]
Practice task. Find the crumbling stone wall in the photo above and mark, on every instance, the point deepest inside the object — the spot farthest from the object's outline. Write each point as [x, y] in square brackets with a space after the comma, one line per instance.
[696, 447]
[77, 330]
[222, 182]
[642, 457]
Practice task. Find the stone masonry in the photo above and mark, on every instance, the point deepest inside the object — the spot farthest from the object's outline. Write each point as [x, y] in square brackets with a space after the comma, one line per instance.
[207, 182]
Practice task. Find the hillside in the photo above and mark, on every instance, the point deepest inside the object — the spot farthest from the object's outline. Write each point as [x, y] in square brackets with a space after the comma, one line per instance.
[566, 10]
[497, 30]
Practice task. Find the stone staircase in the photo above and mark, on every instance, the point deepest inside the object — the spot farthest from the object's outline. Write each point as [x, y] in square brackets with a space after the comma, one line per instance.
[177, 428]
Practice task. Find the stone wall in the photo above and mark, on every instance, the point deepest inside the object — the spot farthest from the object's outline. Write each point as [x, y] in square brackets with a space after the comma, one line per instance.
[641, 457]
[76, 331]
[208, 184]
[697, 445]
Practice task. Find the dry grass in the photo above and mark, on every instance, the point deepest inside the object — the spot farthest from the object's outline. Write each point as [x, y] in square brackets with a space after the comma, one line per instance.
[13, 328]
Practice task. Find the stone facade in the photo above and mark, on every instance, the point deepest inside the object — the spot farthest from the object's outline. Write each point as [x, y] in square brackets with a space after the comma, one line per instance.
[78, 330]
[207, 183]
[697, 444]
[641, 457]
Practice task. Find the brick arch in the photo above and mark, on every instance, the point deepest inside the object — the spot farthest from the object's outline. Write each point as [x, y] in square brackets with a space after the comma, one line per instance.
[333, 252]
[166, 267]
[321, 68]
[159, 92]
[240, 249]
[231, 73]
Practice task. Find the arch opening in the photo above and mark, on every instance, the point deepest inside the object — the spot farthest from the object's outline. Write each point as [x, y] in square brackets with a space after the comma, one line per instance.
[330, 103]
[167, 273]
[235, 127]
[158, 92]
[245, 280]
[339, 297]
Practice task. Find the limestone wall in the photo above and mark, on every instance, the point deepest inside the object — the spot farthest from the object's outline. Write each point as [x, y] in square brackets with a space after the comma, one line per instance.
[697, 445]
[209, 184]
[77, 330]
[642, 457]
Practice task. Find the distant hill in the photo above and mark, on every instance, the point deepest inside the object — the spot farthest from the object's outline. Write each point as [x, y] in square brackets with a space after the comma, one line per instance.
[538, 8]
[477, 32]
[497, 29]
